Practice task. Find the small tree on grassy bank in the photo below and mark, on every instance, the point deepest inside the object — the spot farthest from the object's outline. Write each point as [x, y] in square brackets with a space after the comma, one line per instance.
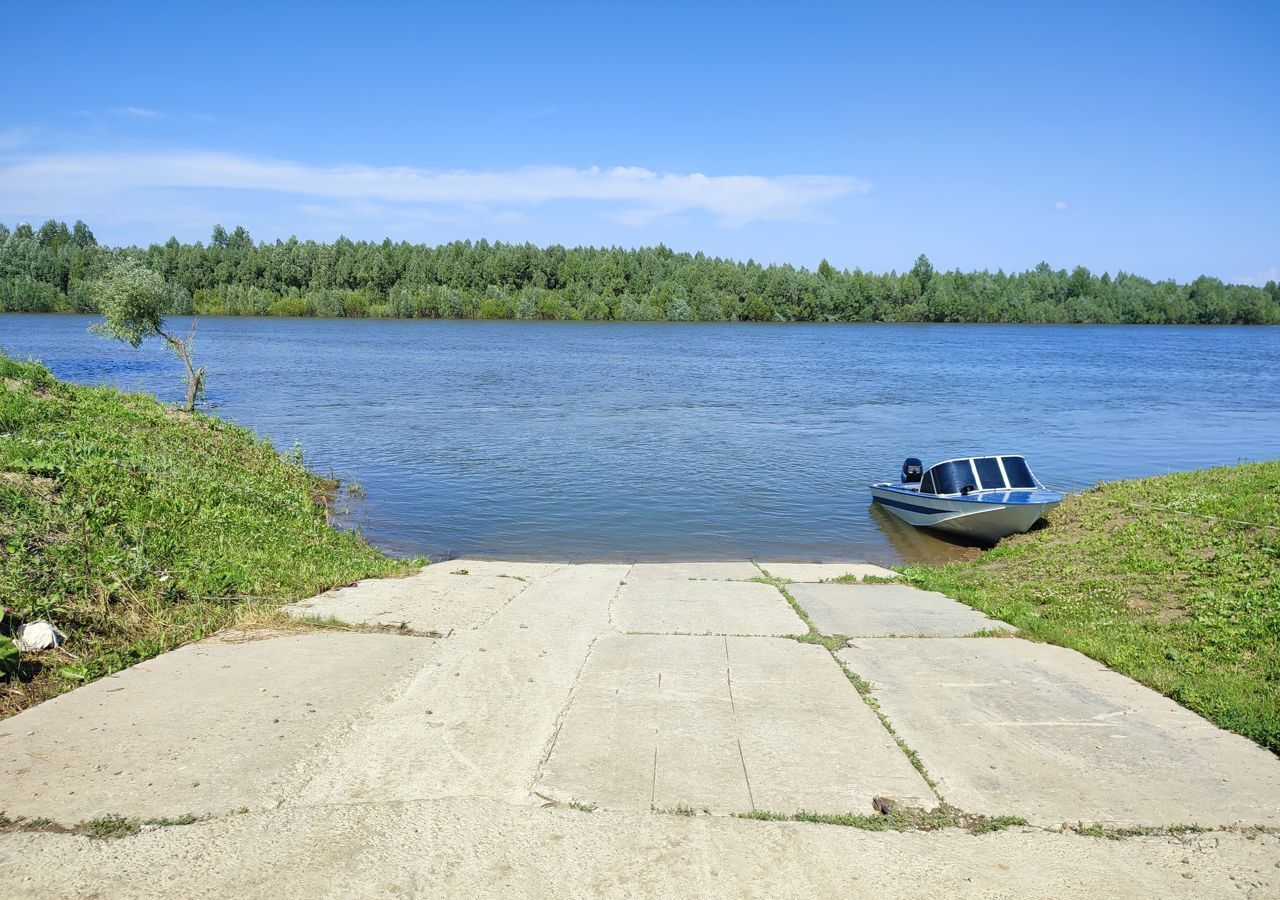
[133, 299]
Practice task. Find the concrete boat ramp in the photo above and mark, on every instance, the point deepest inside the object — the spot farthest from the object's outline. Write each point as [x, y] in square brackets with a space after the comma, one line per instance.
[515, 729]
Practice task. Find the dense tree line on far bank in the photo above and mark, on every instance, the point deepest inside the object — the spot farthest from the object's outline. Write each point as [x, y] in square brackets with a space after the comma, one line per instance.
[54, 269]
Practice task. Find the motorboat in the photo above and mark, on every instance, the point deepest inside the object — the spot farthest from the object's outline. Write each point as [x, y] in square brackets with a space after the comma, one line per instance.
[984, 498]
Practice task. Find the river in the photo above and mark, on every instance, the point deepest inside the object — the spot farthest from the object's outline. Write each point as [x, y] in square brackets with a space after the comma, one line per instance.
[597, 441]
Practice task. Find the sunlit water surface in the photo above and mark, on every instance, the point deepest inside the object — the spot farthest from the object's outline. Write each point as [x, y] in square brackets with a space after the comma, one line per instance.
[623, 441]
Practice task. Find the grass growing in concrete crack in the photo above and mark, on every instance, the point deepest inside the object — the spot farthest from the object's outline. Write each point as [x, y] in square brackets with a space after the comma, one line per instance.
[836, 642]
[1171, 580]
[832, 642]
[1113, 833]
[863, 687]
[781, 585]
[582, 807]
[115, 826]
[898, 818]
[679, 809]
[109, 827]
[186, 819]
[135, 528]
[285, 621]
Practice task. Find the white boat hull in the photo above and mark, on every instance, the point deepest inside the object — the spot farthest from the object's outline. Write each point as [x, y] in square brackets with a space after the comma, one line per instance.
[984, 520]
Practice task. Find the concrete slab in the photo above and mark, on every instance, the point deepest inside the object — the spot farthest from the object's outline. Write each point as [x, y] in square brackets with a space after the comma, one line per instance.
[1007, 726]
[701, 607]
[885, 610]
[731, 570]
[722, 724]
[208, 728]
[808, 739]
[817, 572]
[479, 718]
[479, 848]
[437, 602]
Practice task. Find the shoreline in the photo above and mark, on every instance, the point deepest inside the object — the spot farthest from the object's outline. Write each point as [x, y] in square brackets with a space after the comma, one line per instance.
[1182, 609]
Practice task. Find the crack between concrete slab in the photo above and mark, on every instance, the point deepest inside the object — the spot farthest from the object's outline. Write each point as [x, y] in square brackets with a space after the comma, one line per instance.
[616, 593]
[512, 599]
[561, 716]
[315, 767]
[737, 733]
[860, 684]
[653, 782]
[728, 677]
[1185, 834]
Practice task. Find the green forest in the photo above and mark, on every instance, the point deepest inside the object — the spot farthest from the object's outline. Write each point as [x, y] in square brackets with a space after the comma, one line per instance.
[54, 269]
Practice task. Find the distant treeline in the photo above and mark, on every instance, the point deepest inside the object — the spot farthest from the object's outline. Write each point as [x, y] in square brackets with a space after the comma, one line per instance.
[53, 269]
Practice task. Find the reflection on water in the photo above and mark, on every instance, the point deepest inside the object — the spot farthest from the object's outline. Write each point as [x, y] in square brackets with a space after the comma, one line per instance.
[625, 441]
[922, 545]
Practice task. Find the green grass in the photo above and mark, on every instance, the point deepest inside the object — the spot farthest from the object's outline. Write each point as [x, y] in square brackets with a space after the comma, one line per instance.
[680, 809]
[1174, 581]
[135, 528]
[1113, 833]
[897, 818]
[109, 827]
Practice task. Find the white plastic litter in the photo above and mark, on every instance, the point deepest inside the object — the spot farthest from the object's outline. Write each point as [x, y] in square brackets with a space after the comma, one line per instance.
[36, 636]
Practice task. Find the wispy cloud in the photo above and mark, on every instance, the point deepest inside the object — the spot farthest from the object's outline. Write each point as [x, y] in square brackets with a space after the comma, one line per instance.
[1258, 279]
[135, 112]
[1062, 206]
[629, 194]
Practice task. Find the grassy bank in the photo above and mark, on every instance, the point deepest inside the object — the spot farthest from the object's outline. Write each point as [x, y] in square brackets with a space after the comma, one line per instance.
[1157, 578]
[135, 528]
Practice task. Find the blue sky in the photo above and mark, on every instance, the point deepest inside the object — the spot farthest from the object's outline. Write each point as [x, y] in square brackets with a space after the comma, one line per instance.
[1145, 138]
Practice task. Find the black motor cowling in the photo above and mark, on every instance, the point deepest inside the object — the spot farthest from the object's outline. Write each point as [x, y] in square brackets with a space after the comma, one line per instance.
[912, 470]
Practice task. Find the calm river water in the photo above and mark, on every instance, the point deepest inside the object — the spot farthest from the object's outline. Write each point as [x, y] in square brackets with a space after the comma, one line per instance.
[618, 441]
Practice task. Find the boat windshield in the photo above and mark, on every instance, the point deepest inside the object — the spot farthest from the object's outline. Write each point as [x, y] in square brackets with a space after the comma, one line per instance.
[953, 477]
[985, 473]
[1019, 472]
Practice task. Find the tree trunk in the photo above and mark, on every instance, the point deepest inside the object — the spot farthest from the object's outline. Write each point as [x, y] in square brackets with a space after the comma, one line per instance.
[195, 377]
[195, 381]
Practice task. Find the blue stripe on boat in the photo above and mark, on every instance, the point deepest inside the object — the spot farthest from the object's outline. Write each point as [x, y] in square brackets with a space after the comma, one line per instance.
[911, 507]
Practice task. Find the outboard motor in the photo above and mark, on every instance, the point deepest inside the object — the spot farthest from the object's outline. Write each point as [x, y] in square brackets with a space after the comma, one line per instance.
[912, 471]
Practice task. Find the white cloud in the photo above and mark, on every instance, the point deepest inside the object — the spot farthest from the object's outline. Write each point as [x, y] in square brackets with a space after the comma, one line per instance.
[1258, 279]
[631, 193]
[1062, 205]
[135, 112]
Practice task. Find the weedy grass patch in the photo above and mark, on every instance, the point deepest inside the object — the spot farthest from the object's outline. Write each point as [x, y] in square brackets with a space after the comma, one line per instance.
[135, 528]
[1174, 581]
[895, 817]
